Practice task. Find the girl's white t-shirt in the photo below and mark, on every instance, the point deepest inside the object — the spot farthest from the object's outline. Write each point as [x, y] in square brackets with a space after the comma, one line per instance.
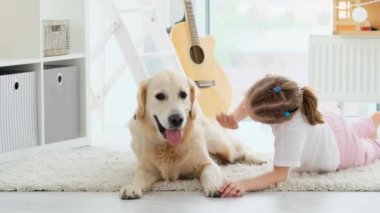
[304, 147]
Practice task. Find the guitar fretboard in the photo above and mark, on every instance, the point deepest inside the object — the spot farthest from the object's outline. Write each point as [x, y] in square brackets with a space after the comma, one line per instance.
[190, 19]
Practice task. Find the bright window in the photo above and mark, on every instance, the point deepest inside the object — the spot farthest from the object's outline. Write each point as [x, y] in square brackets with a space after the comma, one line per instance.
[344, 11]
[254, 38]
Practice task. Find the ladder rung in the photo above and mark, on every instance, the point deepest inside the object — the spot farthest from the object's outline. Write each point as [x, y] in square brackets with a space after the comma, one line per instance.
[137, 10]
[157, 54]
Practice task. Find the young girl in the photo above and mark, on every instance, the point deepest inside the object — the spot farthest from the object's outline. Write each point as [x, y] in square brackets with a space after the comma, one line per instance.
[305, 139]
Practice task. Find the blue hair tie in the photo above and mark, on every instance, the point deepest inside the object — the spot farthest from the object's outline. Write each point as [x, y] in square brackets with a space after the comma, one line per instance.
[286, 114]
[277, 89]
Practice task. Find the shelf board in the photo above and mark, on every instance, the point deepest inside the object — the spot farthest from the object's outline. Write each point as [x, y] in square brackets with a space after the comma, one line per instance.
[18, 61]
[361, 33]
[22, 61]
[64, 57]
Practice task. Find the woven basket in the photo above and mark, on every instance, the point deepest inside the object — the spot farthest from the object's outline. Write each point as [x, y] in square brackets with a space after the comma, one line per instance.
[56, 37]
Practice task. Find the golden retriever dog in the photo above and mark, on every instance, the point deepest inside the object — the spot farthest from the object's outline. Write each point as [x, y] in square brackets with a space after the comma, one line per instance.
[173, 140]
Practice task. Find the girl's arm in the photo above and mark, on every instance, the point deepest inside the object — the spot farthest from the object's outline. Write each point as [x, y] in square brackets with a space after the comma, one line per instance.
[264, 181]
[240, 112]
[231, 121]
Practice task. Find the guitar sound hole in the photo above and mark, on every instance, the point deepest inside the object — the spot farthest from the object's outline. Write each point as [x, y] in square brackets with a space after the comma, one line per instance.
[196, 54]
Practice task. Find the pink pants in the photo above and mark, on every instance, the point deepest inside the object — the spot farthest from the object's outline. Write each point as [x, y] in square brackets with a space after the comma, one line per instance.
[355, 148]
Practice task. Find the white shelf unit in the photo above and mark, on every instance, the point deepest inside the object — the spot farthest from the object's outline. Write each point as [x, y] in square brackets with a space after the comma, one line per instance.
[21, 45]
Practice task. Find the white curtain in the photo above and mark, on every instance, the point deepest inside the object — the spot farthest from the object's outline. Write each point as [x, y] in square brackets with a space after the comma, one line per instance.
[254, 37]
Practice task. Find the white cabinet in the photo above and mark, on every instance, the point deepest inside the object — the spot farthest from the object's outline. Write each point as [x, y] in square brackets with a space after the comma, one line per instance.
[21, 46]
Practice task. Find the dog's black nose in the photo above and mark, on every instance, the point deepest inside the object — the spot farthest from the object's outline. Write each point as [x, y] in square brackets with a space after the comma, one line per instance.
[175, 120]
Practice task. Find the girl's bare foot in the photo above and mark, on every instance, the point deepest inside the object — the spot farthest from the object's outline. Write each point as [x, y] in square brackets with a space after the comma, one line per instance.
[376, 119]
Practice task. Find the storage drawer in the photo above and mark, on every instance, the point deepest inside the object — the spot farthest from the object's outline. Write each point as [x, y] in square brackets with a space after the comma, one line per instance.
[61, 103]
[18, 110]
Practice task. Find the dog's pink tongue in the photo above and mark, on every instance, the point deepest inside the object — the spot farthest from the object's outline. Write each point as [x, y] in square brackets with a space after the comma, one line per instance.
[174, 136]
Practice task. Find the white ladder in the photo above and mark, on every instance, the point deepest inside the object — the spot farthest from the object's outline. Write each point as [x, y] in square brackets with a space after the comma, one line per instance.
[133, 50]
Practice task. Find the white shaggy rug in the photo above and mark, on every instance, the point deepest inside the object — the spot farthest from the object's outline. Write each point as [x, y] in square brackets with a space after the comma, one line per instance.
[100, 170]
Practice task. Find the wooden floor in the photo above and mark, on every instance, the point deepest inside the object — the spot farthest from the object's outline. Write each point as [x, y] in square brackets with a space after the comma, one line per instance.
[177, 202]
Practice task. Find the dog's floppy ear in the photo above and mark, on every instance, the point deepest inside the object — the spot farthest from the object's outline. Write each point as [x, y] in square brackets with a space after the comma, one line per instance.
[141, 100]
[193, 98]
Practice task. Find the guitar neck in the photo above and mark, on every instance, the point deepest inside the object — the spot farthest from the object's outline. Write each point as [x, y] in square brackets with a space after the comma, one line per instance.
[190, 19]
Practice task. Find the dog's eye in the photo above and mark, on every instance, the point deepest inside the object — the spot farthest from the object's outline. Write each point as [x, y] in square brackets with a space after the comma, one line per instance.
[182, 94]
[160, 96]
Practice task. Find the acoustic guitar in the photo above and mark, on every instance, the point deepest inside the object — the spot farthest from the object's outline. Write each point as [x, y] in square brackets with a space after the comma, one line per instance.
[198, 61]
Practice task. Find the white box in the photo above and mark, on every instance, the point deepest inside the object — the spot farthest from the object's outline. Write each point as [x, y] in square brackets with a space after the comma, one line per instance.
[61, 92]
[18, 111]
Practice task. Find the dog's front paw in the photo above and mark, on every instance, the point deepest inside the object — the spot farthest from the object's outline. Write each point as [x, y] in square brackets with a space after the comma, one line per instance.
[213, 193]
[129, 192]
[212, 190]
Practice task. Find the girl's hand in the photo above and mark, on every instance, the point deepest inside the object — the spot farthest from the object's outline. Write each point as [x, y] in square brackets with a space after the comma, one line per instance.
[227, 121]
[232, 189]
[263, 181]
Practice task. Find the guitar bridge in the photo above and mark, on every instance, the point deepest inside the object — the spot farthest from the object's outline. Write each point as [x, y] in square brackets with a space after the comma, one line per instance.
[205, 84]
